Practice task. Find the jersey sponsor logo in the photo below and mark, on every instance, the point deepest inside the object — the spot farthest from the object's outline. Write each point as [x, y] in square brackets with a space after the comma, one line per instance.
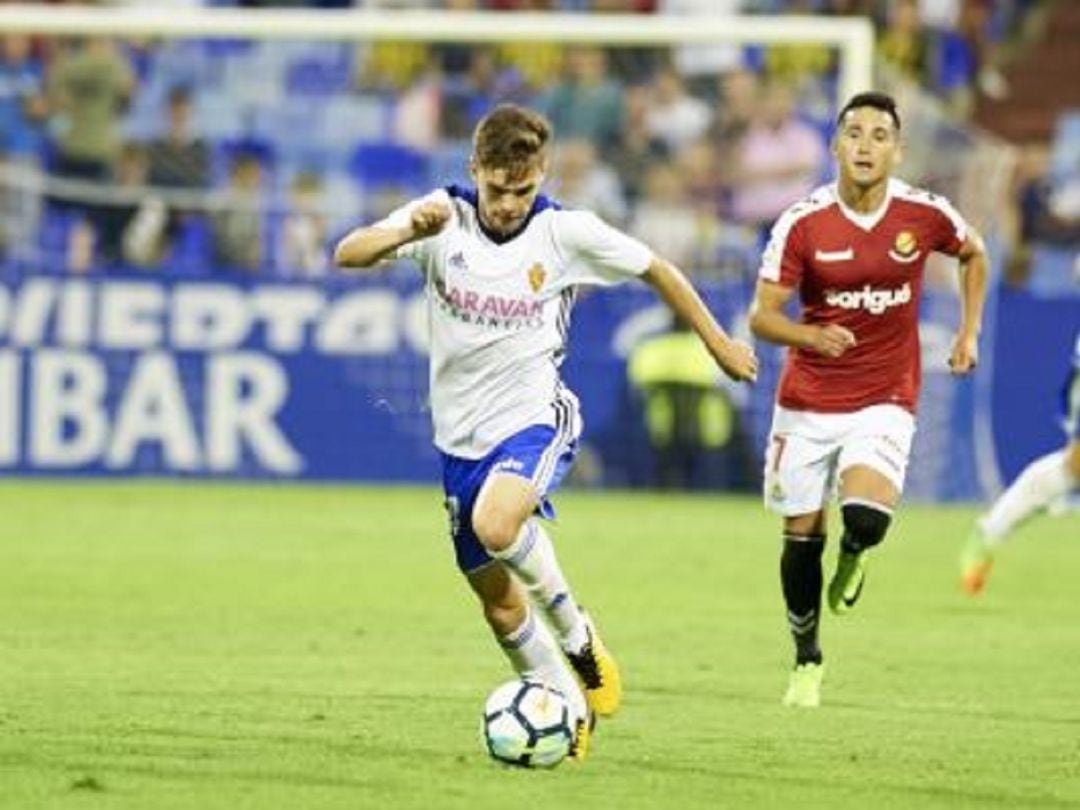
[485, 309]
[537, 274]
[872, 300]
[457, 261]
[845, 255]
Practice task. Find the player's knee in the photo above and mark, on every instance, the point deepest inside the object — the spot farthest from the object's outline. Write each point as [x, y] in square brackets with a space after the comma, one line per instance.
[864, 526]
[495, 528]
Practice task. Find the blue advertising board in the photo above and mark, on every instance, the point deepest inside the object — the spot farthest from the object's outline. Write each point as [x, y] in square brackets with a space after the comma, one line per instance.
[327, 380]
[1032, 357]
[220, 378]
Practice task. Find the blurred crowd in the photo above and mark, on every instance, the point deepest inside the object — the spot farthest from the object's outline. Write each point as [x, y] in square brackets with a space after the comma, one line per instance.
[250, 157]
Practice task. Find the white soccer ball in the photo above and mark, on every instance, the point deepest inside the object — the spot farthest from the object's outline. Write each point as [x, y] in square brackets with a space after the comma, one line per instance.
[528, 723]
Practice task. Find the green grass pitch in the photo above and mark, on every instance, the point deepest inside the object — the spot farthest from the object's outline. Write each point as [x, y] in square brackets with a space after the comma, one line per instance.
[190, 646]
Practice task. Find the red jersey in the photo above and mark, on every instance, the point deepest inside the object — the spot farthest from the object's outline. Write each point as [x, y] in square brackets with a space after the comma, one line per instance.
[863, 272]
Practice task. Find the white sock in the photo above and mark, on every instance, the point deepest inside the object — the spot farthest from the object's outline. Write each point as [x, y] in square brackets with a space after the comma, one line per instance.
[1041, 482]
[532, 558]
[533, 653]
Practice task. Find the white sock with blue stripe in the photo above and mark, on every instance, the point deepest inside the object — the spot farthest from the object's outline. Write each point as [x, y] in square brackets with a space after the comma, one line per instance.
[532, 558]
[534, 654]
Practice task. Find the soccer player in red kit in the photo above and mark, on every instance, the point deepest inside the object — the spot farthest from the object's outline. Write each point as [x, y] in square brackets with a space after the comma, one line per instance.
[854, 252]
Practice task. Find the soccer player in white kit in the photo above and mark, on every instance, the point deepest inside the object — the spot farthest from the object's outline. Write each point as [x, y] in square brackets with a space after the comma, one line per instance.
[854, 252]
[1044, 481]
[502, 264]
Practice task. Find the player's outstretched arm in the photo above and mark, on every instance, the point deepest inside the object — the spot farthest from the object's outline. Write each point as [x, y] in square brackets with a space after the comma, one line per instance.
[768, 321]
[736, 358]
[974, 266]
[368, 245]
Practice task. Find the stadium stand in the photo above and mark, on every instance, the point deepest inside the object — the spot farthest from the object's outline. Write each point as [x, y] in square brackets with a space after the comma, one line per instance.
[340, 111]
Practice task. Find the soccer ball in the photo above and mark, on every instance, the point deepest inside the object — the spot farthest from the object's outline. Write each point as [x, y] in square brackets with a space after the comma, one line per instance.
[528, 723]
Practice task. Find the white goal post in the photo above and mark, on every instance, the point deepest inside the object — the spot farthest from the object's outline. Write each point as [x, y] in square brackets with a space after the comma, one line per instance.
[852, 36]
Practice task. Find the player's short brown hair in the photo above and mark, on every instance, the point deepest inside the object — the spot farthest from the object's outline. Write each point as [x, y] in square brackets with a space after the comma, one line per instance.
[510, 137]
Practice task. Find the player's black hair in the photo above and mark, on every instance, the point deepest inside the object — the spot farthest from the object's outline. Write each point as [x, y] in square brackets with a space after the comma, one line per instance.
[879, 101]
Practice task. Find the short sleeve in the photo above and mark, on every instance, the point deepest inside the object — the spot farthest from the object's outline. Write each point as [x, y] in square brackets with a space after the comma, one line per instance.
[948, 230]
[783, 259]
[400, 217]
[596, 252]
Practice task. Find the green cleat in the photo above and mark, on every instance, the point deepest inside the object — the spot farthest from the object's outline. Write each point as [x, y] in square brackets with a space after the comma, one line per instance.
[976, 560]
[804, 686]
[847, 583]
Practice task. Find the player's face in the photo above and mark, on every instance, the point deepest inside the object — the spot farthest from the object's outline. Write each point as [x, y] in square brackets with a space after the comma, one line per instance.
[506, 196]
[867, 146]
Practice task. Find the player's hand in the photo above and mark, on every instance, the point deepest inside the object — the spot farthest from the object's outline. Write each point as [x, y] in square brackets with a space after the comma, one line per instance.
[964, 355]
[738, 361]
[429, 218]
[832, 340]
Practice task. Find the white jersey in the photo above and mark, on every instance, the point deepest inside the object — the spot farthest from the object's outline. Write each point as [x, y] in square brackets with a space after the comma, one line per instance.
[499, 313]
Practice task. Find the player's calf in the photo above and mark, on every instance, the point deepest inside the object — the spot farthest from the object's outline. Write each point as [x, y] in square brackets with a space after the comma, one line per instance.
[865, 525]
[800, 580]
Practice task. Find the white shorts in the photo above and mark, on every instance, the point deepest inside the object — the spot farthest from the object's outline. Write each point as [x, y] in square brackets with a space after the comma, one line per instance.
[808, 451]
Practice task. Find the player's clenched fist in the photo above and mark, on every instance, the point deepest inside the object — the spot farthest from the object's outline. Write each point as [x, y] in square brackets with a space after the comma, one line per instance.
[429, 218]
[832, 340]
[739, 361]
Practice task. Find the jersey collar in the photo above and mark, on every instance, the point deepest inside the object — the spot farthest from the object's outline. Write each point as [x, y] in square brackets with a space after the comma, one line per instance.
[867, 221]
[470, 195]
